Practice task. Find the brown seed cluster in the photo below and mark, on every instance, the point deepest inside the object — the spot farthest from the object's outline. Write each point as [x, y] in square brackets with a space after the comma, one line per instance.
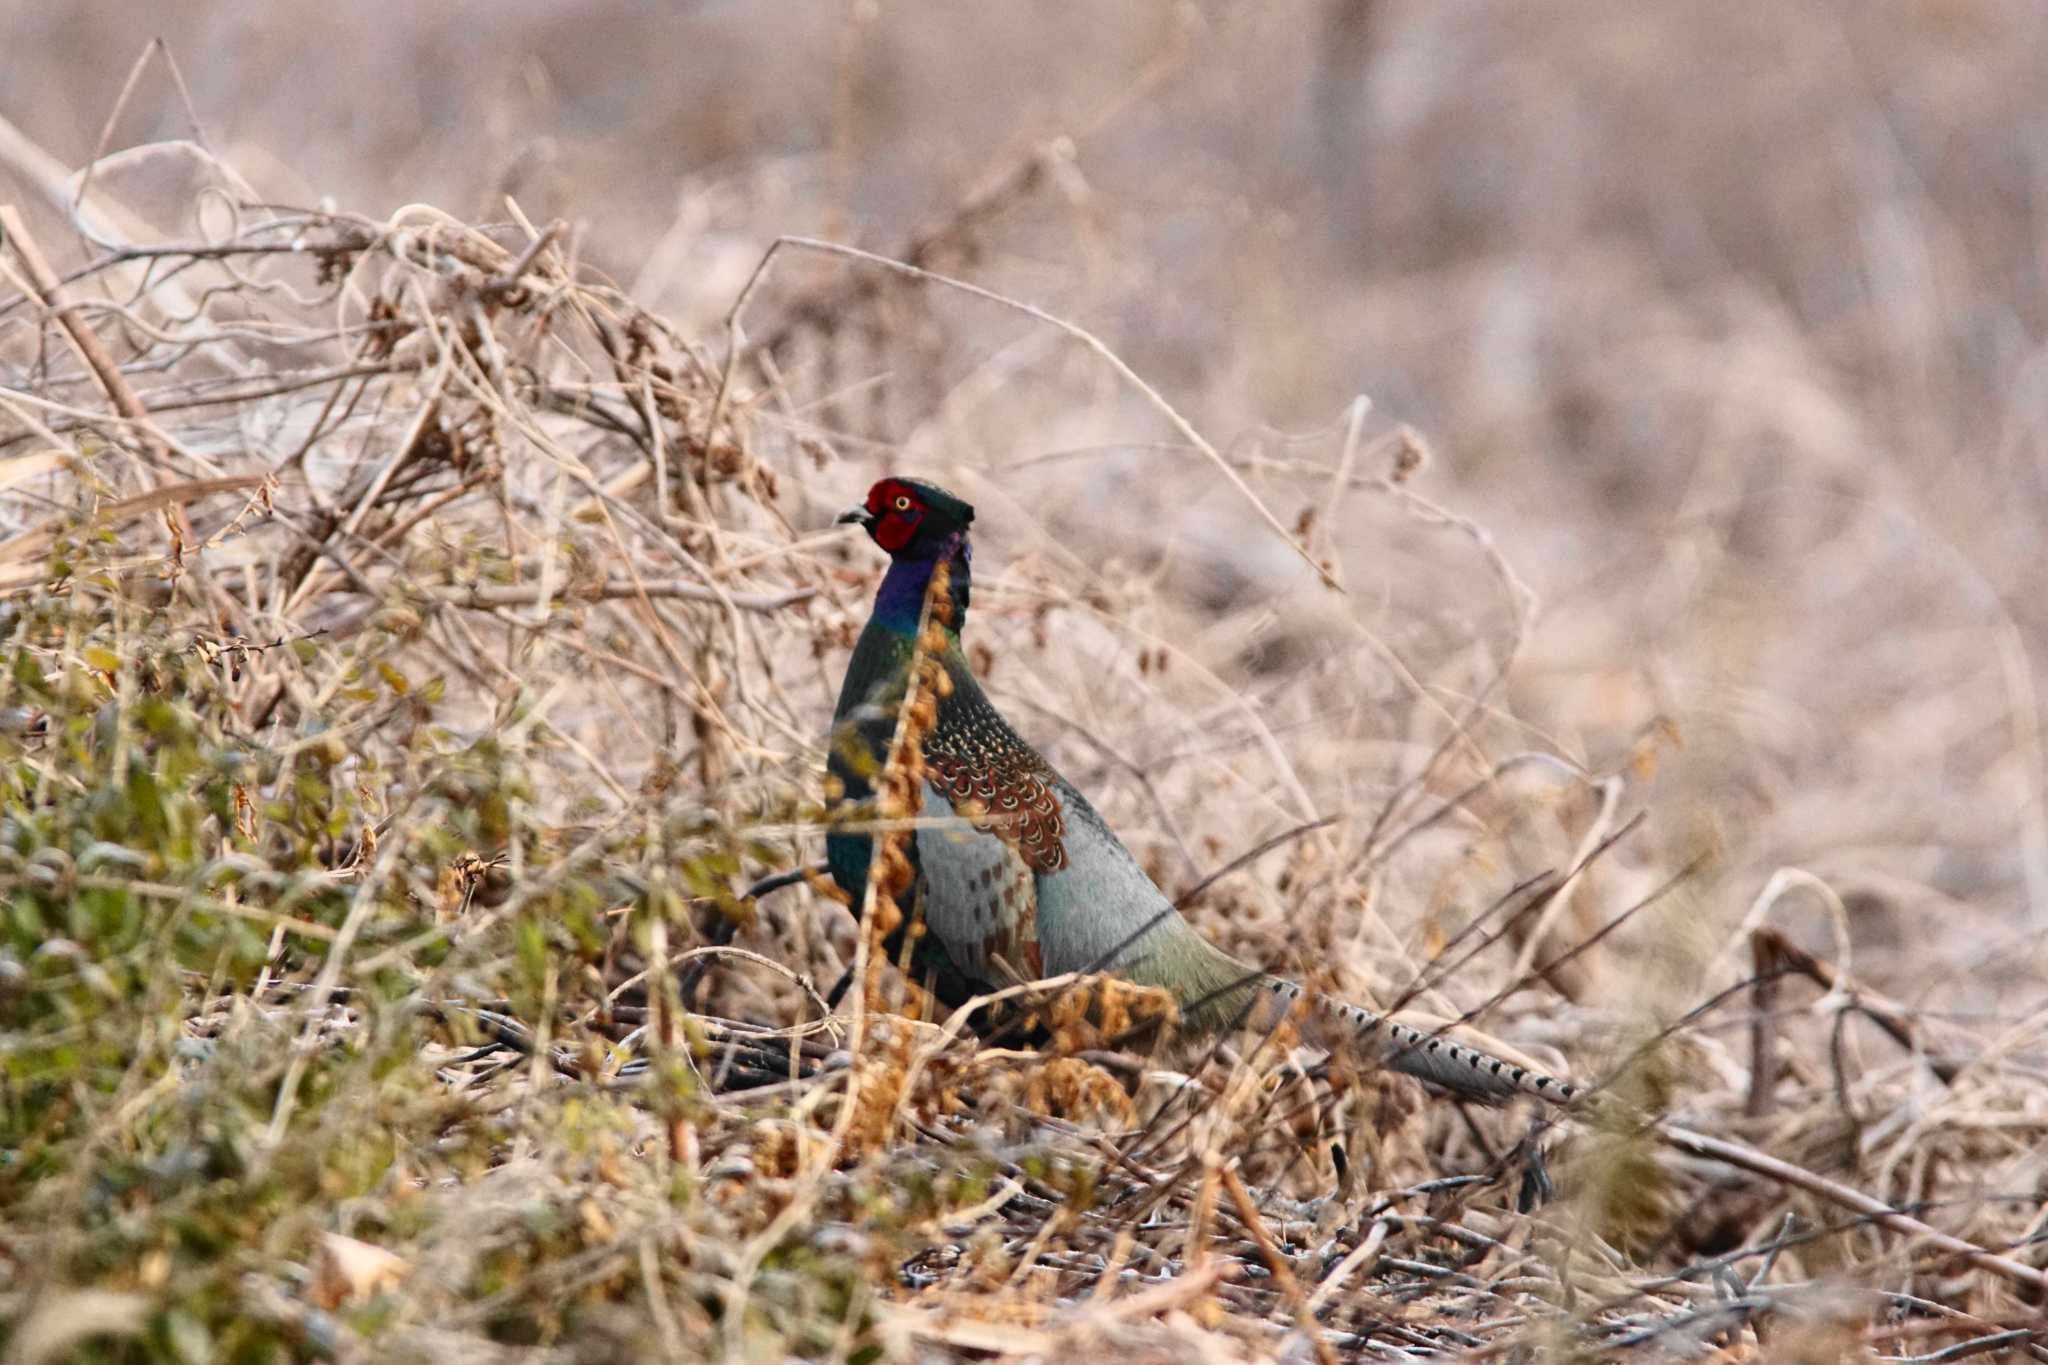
[1104, 1011]
[1069, 1088]
[883, 1076]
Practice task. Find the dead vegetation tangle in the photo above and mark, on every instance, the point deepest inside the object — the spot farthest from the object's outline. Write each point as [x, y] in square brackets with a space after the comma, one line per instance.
[414, 647]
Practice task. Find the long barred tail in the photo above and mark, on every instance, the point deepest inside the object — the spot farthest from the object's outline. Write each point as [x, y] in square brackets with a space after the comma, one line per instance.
[1346, 1030]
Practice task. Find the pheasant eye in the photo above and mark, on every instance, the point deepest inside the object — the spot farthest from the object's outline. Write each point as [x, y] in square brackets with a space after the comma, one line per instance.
[902, 502]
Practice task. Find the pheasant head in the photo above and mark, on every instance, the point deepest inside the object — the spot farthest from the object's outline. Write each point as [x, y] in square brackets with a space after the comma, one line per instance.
[922, 526]
[911, 519]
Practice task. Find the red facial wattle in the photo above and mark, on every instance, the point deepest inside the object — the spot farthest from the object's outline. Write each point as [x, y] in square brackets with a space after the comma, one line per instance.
[896, 529]
[897, 515]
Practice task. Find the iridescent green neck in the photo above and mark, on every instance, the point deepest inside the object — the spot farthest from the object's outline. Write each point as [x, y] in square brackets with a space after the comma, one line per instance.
[899, 604]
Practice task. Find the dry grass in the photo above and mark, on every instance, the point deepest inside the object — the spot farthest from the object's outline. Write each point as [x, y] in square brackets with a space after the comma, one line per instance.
[417, 641]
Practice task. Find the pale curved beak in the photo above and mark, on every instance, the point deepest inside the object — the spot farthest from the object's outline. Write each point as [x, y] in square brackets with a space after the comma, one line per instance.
[856, 515]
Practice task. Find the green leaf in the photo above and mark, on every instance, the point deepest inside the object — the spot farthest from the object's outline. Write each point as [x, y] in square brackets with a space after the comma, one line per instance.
[146, 802]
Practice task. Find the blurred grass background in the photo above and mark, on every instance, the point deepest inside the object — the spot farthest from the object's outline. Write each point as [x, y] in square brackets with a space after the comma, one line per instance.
[1728, 325]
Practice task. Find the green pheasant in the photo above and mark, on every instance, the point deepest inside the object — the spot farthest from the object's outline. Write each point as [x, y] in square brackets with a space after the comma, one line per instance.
[1012, 871]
